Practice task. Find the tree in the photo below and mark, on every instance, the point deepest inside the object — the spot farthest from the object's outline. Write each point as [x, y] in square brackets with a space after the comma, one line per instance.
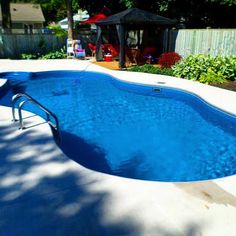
[225, 2]
[153, 5]
[6, 16]
[70, 19]
[197, 13]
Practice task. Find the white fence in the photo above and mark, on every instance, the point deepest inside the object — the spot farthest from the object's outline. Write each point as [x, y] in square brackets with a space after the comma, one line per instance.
[203, 41]
[184, 41]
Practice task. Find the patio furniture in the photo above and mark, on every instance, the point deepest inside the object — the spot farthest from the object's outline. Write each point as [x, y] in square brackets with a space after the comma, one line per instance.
[148, 55]
[112, 49]
[79, 52]
[92, 49]
[132, 56]
[70, 49]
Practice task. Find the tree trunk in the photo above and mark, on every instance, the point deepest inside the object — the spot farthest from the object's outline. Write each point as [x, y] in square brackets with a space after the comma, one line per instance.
[70, 19]
[6, 16]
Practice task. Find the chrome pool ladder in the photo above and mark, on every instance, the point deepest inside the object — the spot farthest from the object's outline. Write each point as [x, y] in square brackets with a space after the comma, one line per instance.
[28, 99]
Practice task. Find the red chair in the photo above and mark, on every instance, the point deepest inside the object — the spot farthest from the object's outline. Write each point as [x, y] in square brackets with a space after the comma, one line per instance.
[92, 48]
[109, 48]
[148, 54]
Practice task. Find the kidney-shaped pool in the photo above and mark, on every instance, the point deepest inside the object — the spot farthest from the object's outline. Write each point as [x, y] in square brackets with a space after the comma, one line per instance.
[132, 130]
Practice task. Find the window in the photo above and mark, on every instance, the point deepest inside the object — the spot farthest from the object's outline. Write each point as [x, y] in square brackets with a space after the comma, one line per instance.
[28, 28]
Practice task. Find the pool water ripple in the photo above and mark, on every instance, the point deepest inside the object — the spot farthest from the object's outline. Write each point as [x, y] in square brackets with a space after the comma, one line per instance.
[132, 131]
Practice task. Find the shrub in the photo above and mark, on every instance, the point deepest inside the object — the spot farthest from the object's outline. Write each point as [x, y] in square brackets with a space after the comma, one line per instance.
[226, 65]
[51, 55]
[54, 55]
[166, 71]
[147, 68]
[57, 30]
[191, 67]
[25, 56]
[211, 77]
[206, 69]
[167, 60]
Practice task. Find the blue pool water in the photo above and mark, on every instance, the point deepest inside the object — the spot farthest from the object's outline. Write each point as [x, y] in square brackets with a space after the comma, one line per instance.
[133, 131]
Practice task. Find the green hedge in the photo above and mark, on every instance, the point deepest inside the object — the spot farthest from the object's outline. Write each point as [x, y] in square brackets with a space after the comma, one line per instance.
[206, 69]
[51, 55]
[147, 68]
[54, 55]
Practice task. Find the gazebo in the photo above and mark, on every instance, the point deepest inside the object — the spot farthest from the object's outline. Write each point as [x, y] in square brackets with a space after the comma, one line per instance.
[133, 18]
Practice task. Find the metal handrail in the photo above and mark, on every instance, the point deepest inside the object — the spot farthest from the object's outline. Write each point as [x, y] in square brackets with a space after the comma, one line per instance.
[13, 102]
[28, 98]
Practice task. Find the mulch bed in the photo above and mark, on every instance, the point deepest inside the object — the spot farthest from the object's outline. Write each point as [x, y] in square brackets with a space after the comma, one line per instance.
[229, 85]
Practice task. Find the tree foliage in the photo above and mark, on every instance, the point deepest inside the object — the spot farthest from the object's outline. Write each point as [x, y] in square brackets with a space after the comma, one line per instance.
[224, 2]
[194, 13]
[154, 5]
[6, 15]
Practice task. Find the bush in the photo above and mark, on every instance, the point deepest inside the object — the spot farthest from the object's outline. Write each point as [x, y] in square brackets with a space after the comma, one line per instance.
[51, 55]
[25, 56]
[147, 68]
[54, 55]
[206, 69]
[226, 65]
[57, 30]
[211, 77]
[167, 60]
[166, 71]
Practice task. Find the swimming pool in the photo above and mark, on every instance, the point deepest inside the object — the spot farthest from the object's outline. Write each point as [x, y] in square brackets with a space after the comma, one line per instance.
[131, 130]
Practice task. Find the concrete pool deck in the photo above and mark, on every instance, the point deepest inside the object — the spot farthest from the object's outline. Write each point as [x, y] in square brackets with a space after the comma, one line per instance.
[42, 192]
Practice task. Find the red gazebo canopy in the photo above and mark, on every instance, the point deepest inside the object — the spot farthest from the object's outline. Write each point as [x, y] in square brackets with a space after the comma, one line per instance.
[95, 18]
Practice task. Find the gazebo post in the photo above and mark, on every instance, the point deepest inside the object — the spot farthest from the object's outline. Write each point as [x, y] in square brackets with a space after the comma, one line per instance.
[122, 46]
[99, 44]
[138, 38]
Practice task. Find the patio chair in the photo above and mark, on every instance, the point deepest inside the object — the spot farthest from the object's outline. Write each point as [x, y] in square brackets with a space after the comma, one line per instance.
[70, 49]
[92, 49]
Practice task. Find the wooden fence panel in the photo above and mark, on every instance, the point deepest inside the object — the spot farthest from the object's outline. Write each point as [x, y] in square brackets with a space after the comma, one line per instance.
[203, 41]
[13, 45]
[184, 41]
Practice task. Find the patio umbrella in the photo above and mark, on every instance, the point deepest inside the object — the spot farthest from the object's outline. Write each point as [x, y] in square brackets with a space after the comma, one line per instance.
[95, 18]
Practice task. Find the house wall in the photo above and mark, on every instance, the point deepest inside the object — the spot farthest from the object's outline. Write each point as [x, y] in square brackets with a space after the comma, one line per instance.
[13, 45]
[19, 27]
[22, 31]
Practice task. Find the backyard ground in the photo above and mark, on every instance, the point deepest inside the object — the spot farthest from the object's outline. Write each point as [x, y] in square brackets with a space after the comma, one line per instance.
[44, 192]
[113, 65]
[230, 85]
